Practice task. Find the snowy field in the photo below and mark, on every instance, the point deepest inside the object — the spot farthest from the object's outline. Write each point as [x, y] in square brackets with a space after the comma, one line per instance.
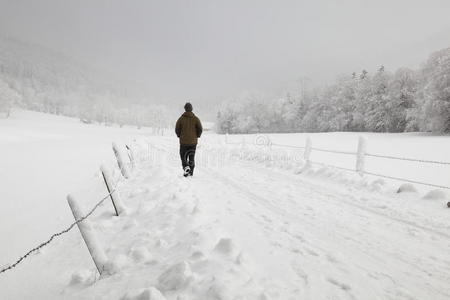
[43, 158]
[253, 223]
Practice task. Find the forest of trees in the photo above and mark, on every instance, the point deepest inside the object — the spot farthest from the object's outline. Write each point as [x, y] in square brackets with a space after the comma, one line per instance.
[35, 78]
[405, 100]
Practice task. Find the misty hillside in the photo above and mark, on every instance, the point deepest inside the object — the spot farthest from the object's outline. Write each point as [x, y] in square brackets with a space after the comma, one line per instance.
[36, 78]
[33, 70]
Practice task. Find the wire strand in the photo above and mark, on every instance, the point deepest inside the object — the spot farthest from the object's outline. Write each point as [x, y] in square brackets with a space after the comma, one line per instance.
[409, 159]
[332, 166]
[333, 151]
[48, 241]
[408, 180]
[288, 146]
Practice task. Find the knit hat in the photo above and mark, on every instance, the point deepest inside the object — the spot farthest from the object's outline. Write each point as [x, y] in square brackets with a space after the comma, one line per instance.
[188, 106]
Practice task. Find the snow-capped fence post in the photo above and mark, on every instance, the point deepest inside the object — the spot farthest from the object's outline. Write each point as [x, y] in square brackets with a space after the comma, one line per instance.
[308, 150]
[119, 208]
[87, 233]
[120, 161]
[360, 155]
[131, 156]
[148, 150]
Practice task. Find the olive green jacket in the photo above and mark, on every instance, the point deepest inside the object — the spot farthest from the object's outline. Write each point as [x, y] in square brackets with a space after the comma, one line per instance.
[188, 129]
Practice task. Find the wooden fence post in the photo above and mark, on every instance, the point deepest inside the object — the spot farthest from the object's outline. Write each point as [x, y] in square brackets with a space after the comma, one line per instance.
[308, 150]
[360, 155]
[120, 161]
[95, 250]
[115, 199]
[131, 156]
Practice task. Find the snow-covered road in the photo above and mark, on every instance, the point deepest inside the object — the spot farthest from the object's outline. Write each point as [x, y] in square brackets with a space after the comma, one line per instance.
[248, 227]
[241, 230]
[310, 239]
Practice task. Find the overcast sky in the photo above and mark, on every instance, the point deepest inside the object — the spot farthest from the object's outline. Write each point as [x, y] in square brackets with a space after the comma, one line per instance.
[216, 49]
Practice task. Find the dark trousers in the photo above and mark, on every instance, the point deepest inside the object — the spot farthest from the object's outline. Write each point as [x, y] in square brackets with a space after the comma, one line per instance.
[187, 155]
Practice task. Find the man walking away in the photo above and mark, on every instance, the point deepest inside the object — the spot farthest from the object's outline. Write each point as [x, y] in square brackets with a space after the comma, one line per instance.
[188, 129]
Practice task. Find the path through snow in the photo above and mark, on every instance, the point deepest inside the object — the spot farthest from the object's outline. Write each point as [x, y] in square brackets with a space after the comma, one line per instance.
[246, 231]
[241, 229]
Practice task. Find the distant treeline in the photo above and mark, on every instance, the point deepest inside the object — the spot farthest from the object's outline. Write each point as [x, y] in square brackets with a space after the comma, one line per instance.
[406, 100]
[35, 78]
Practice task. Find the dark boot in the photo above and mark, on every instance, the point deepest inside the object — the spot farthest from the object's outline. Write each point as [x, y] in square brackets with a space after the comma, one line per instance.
[187, 171]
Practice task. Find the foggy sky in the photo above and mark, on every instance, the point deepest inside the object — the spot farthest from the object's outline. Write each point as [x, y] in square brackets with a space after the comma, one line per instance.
[209, 50]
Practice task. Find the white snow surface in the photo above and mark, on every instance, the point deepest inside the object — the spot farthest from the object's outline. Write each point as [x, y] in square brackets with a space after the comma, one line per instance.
[253, 222]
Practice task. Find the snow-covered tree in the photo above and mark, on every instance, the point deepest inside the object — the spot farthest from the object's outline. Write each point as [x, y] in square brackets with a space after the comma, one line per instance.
[434, 114]
[8, 97]
[402, 94]
[377, 112]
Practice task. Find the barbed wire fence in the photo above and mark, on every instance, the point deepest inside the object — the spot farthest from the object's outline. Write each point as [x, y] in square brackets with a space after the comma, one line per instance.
[112, 189]
[361, 153]
[43, 244]
[260, 140]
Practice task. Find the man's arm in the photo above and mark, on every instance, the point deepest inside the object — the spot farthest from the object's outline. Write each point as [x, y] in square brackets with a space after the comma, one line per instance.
[178, 128]
[199, 127]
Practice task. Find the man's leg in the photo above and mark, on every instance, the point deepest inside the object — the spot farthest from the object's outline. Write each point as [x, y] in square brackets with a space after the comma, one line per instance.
[191, 158]
[183, 156]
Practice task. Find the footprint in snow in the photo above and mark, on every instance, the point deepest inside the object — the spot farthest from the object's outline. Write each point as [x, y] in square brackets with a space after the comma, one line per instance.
[266, 218]
[342, 286]
[197, 255]
[140, 254]
[276, 244]
[130, 224]
[161, 243]
[226, 246]
[144, 294]
[311, 252]
[299, 237]
[176, 277]
[83, 278]
[331, 258]
[300, 273]
[296, 251]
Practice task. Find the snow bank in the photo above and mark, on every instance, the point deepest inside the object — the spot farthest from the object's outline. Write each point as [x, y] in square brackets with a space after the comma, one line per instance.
[292, 159]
